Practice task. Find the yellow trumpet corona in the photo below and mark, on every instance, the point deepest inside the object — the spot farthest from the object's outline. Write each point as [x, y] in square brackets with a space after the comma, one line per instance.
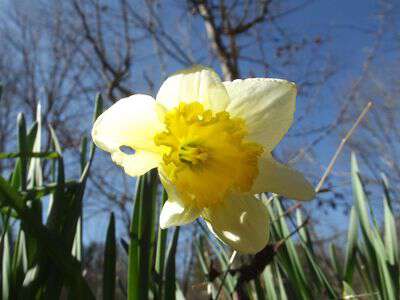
[200, 147]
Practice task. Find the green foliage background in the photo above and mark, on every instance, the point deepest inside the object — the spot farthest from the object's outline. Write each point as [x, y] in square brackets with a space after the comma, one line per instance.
[42, 252]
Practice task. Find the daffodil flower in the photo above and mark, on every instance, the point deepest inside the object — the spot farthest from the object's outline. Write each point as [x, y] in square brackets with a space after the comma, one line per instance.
[211, 142]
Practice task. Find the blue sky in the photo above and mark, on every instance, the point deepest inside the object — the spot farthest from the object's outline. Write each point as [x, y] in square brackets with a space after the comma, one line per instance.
[350, 25]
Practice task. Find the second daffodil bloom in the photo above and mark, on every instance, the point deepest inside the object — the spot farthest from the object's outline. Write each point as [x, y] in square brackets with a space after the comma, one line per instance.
[211, 142]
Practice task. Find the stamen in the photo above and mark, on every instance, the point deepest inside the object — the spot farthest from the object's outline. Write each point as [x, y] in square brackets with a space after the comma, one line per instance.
[192, 154]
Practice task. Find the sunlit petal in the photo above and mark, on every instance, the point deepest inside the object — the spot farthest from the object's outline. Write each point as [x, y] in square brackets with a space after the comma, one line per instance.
[267, 105]
[241, 222]
[280, 179]
[130, 122]
[197, 84]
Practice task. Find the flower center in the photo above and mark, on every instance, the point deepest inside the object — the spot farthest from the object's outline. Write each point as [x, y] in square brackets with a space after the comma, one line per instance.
[192, 154]
[206, 155]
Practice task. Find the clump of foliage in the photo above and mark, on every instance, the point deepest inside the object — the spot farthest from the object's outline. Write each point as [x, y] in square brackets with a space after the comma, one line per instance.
[42, 250]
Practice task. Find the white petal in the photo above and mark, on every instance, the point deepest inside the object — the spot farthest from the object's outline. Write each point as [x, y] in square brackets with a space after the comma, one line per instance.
[241, 222]
[280, 179]
[131, 122]
[195, 84]
[175, 212]
[136, 164]
[267, 105]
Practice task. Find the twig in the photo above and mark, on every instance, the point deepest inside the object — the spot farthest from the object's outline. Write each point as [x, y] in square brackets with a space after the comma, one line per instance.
[340, 148]
[226, 274]
[296, 230]
[287, 211]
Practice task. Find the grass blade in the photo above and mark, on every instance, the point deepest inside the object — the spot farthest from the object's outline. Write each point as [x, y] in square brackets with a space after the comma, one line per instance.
[22, 149]
[391, 243]
[142, 237]
[270, 290]
[161, 252]
[334, 257]
[360, 198]
[351, 246]
[77, 249]
[170, 278]
[19, 263]
[35, 175]
[6, 269]
[47, 155]
[109, 262]
[133, 255]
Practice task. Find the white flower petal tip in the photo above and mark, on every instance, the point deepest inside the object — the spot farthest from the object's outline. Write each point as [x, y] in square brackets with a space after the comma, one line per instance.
[266, 104]
[241, 222]
[282, 180]
[136, 164]
[196, 84]
[174, 213]
[130, 122]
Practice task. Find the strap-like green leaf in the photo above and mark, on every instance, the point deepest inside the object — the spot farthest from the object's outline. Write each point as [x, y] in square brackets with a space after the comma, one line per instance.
[170, 268]
[109, 262]
[351, 246]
